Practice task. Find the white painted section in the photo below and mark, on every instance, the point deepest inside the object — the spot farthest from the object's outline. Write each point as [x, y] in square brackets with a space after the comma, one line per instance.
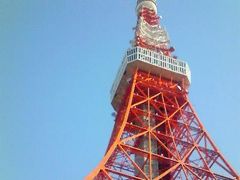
[152, 34]
[150, 4]
[162, 63]
[118, 77]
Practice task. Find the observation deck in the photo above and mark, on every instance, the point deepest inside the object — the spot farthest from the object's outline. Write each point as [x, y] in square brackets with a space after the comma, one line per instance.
[149, 61]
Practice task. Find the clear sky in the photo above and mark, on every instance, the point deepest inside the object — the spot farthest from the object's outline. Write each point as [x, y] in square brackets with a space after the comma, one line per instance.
[58, 60]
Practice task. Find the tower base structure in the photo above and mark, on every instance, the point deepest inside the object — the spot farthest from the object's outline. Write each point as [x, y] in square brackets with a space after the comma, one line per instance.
[158, 135]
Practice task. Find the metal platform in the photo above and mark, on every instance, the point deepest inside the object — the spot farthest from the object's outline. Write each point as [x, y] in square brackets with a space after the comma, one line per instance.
[149, 61]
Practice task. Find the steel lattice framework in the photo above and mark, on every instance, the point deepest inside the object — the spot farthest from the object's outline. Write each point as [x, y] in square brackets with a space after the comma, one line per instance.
[157, 134]
[158, 112]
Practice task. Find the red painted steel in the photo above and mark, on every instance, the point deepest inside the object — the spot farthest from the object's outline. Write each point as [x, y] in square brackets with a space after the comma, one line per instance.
[152, 19]
[157, 111]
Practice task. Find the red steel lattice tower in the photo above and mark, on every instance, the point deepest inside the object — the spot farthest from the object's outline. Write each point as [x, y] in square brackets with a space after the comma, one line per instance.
[157, 134]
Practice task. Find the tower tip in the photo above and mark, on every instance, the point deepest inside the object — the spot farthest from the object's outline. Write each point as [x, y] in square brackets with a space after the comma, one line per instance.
[150, 4]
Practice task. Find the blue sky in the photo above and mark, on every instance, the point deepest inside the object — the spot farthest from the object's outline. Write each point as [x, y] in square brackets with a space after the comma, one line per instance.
[58, 60]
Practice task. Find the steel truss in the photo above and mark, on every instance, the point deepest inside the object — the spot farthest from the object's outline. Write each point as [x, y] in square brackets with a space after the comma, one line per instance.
[158, 112]
[149, 34]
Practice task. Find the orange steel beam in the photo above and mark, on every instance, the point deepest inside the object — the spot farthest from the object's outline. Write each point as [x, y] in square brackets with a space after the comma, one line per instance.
[158, 135]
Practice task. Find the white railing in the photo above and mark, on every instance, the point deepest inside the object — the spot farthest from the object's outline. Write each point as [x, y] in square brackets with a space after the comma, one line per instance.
[157, 59]
[153, 58]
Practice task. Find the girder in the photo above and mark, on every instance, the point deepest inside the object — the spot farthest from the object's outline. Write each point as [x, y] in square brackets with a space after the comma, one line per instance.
[176, 145]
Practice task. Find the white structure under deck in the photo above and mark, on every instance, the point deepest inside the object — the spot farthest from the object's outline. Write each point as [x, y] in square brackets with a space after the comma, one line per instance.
[149, 61]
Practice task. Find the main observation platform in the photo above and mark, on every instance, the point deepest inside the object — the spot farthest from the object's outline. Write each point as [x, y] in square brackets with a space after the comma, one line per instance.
[149, 61]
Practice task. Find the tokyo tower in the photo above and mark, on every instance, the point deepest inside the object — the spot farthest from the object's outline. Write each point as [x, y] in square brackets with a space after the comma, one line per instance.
[157, 133]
